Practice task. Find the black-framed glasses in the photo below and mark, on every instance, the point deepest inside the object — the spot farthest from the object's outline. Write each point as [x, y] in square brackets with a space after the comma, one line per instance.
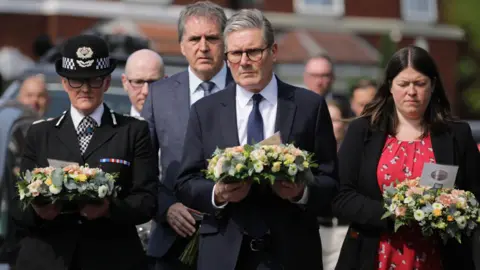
[255, 55]
[96, 82]
[139, 83]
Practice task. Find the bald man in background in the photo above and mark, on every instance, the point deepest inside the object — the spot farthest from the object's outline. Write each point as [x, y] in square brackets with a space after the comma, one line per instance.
[142, 68]
[33, 94]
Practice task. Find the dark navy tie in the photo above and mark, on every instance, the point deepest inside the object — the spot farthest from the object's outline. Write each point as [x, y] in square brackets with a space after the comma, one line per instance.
[207, 87]
[255, 122]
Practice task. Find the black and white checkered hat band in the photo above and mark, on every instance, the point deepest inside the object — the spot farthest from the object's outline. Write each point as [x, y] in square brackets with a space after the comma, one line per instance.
[68, 63]
[102, 63]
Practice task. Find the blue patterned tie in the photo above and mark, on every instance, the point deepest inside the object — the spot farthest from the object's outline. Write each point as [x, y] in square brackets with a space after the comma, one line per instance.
[255, 122]
[207, 87]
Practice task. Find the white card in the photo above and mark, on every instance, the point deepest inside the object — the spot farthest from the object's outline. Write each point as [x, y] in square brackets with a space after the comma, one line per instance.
[438, 175]
[275, 139]
[59, 163]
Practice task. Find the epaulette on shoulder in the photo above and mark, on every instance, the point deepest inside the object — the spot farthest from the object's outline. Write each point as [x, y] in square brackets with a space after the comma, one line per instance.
[134, 116]
[42, 120]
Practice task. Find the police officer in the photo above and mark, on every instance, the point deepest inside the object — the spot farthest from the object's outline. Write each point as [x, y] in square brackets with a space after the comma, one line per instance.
[89, 236]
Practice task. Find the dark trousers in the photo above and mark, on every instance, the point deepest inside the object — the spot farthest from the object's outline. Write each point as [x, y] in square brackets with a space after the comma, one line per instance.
[256, 254]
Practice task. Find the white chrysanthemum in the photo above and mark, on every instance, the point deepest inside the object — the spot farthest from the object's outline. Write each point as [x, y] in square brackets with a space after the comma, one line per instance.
[102, 191]
[258, 167]
[461, 222]
[437, 206]
[408, 200]
[292, 169]
[419, 215]
[54, 190]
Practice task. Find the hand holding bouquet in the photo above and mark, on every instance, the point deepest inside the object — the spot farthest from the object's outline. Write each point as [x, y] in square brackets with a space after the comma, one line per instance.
[71, 183]
[259, 163]
[444, 211]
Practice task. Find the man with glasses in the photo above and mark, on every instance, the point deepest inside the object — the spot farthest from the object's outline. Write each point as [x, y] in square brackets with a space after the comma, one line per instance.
[100, 235]
[257, 226]
[143, 67]
[166, 109]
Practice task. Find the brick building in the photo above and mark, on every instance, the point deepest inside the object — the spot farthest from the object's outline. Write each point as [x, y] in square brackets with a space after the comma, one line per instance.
[351, 31]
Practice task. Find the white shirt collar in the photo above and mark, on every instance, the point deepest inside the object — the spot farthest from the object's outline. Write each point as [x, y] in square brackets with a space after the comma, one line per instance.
[77, 116]
[219, 79]
[269, 93]
[134, 112]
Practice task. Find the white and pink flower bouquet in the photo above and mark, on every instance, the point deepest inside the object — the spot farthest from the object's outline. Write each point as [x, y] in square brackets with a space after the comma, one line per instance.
[446, 212]
[260, 163]
[70, 183]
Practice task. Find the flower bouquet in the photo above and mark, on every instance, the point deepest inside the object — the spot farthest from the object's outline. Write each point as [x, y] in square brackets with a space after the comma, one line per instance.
[259, 163]
[70, 183]
[446, 212]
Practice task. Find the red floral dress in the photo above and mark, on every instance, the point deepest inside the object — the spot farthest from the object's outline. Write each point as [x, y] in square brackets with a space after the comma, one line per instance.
[407, 249]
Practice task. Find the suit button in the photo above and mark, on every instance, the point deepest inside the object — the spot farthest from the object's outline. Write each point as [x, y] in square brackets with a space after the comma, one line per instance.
[79, 222]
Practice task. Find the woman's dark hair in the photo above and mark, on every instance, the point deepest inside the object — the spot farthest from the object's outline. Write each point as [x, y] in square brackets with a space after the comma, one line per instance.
[381, 110]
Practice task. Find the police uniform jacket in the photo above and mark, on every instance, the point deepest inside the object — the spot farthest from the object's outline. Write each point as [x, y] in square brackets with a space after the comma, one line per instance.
[70, 241]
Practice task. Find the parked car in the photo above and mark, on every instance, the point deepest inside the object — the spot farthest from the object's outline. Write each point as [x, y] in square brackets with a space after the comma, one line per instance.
[115, 98]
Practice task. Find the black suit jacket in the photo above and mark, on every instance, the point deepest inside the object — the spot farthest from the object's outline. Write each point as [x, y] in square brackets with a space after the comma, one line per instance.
[303, 118]
[360, 199]
[105, 243]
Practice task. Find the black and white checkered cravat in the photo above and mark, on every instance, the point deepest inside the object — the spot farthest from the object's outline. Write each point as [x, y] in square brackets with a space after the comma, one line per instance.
[85, 132]
[207, 87]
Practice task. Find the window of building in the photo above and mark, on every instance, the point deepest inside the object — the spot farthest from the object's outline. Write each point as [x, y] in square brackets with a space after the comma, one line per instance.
[420, 10]
[320, 7]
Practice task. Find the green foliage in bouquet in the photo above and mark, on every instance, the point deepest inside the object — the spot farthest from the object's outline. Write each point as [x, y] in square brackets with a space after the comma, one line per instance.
[71, 183]
[449, 213]
[260, 163]
[255, 162]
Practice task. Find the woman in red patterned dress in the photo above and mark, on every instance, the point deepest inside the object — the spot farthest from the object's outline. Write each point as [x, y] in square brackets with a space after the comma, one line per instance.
[408, 124]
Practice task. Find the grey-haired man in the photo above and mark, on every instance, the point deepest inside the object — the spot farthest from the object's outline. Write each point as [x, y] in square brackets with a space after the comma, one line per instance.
[251, 226]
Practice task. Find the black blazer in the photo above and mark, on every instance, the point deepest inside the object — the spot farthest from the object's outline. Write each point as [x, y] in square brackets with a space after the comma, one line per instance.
[360, 199]
[105, 243]
[303, 118]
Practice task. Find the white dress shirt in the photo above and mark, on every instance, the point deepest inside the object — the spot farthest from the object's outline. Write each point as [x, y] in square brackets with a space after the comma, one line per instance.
[77, 116]
[196, 93]
[134, 112]
[268, 110]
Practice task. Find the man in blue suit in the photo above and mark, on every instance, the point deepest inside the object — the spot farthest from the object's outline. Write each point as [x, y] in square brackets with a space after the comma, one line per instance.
[166, 109]
[253, 226]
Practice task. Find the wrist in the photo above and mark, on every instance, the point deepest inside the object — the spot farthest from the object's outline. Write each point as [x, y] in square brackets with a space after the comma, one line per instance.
[216, 197]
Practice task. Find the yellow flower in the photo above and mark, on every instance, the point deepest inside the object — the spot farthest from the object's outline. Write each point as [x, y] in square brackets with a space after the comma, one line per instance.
[421, 201]
[81, 178]
[276, 166]
[449, 218]
[239, 167]
[48, 182]
[437, 212]
[289, 159]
